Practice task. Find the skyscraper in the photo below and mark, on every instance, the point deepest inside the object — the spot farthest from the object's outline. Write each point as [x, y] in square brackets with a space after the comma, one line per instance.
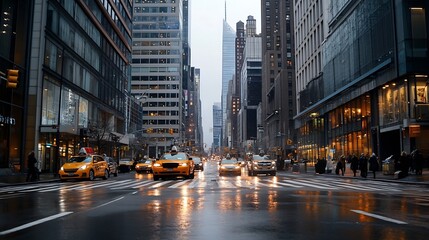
[228, 69]
[157, 71]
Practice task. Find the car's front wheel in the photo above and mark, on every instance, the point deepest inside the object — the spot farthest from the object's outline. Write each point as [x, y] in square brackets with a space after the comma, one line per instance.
[106, 174]
[155, 178]
[91, 175]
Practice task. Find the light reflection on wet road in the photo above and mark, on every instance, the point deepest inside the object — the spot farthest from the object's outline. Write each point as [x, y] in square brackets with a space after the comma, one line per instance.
[263, 212]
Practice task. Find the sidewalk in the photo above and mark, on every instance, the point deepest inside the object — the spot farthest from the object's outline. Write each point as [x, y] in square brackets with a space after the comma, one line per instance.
[20, 178]
[410, 179]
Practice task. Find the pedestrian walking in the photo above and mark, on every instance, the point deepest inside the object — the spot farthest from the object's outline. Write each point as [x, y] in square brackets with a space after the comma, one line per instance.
[404, 164]
[373, 164]
[343, 161]
[32, 173]
[363, 165]
[354, 165]
[418, 162]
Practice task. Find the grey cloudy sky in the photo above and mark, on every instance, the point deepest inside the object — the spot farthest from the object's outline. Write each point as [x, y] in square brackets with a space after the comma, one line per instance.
[206, 46]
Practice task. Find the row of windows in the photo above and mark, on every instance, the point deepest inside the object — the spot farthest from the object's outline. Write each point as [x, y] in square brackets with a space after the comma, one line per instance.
[153, 78]
[156, 52]
[160, 113]
[173, 34]
[157, 86]
[156, 43]
[154, 9]
[156, 60]
[157, 25]
[142, 70]
[154, 1]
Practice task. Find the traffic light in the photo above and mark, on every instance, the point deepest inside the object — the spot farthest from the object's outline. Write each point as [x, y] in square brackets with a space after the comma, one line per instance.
[12, 78]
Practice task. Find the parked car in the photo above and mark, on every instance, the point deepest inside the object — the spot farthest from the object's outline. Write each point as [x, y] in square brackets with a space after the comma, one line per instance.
[229, 165]
[126, 164]
[144, 166]
[113, 166]
[85, 165]
[173, 164]
[199, 165]
[261, 164]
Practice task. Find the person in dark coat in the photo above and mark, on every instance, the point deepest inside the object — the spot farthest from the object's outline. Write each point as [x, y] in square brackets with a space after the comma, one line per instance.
[404, 164]
[354, 165]
[373, 164]
[363, 165]
[31, 162]
[417, 162]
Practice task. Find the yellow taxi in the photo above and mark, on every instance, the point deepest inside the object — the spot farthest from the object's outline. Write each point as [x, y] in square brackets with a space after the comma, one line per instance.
[144, 165]
[173, 164]
[85, 165]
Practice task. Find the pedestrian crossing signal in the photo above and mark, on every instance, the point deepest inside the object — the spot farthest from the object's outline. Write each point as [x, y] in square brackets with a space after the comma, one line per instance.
[171, 131]
[12, 78]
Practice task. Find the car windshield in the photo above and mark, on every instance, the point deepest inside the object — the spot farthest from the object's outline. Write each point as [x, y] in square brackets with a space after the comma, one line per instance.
[148, 161]
[229, 161]
[86, 159]
[178, 156]
[125, 160]
[196, 159]
[257, 157]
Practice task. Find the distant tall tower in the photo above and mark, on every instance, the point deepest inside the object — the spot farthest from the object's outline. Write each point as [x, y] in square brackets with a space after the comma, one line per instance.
[250, 26]
[228, 69]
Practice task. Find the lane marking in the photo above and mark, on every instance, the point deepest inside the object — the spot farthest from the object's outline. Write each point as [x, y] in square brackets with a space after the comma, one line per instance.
[104, 204]
[35, 223]
[378, 216]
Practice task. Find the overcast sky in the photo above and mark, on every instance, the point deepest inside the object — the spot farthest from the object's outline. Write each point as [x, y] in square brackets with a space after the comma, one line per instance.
[206, 47]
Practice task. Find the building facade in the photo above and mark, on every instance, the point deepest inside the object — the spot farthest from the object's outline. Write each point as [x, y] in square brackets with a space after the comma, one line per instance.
[79, 79]
[217, 128]
[228, 70]
[372, 95]
[157, 71]
[250, 86]
[15, 40]
[277, 129]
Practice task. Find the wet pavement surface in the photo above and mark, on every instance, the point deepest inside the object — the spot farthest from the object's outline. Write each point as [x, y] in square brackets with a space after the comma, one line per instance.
[20, 178]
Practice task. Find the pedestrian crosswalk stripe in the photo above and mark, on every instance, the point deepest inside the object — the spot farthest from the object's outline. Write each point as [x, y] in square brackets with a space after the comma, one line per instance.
[160, 184]
[286, 184]
[309, 185]
[179, 184]
[226, 184]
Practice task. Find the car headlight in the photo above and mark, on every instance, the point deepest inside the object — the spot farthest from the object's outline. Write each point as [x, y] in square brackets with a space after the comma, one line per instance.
[222, 167]
[236, 167]
[157, 165]
[62, 168]
[184, 164]
[83, 167]
[273, 162]
[200, 164]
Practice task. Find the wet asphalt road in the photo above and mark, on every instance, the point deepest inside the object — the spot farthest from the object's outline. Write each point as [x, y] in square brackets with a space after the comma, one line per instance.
[288, 206]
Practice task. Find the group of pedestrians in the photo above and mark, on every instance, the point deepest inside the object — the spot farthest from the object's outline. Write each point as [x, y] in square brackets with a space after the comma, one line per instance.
[403, 164]
[408, 163]
[361, 164]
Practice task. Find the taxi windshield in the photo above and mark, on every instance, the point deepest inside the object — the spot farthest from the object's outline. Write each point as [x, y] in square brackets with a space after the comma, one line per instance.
[148, 161]
[178, 156]
[257, 157]
[76, 159]
[229, 161]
